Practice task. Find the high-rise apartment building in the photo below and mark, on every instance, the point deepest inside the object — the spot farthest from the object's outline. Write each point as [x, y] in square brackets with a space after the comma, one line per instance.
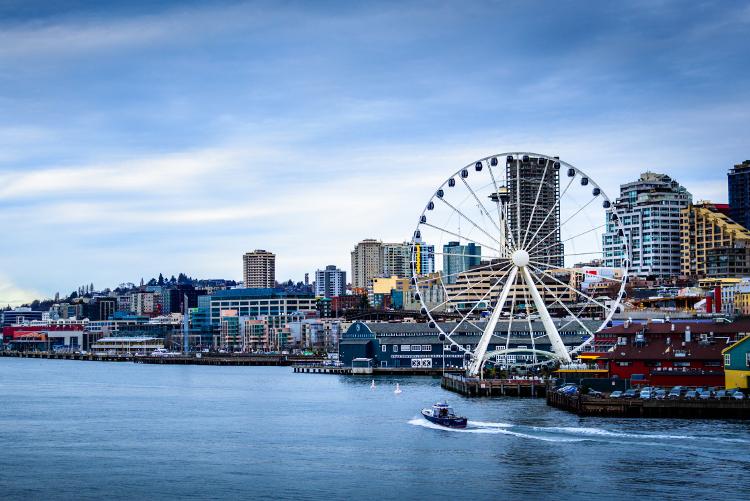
[397, 258]
[367, 262]
[525, 175]
[739, 193]
[712, 244]
[649, 210]
[458, 258]
[330, 282]
[259, 269]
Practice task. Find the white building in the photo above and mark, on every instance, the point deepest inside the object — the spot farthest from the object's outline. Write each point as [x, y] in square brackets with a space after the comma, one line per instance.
[649, 210]
[259, 269]
[330, 282]
[367, 262]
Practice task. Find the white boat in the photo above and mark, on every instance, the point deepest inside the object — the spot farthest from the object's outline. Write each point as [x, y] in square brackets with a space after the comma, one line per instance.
[397, 390]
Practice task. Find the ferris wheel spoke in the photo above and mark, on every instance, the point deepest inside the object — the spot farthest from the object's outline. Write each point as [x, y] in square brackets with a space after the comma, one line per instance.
[537, 251]
[528, 316]
[552, 210]
[478, 268]
[497, 193]
[557, 299]
[462, 236]
[536, 202]
[570, 287]
[471, 221]
[510, 318]
[572, 254]
[481, 206]
[483, 298]
[489, 328]
[558, 347]
[453, 254]
[465, 290]
[558, 228]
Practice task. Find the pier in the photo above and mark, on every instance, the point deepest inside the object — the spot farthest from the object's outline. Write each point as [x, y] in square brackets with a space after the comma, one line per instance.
[584, 405]
[475, 387]
[194, 359]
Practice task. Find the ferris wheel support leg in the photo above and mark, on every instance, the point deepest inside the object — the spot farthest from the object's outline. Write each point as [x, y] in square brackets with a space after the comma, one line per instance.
[478, 359]
[549, 325]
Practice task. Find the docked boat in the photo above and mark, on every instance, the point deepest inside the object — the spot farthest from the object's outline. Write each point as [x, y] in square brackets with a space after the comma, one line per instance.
[442, 414]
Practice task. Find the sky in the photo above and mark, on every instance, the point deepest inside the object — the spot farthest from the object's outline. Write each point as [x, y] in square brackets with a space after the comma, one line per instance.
[139, 138]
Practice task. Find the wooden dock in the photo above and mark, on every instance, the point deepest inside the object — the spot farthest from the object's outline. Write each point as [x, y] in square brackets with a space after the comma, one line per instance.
[203, 359]
[475, 387]
[619, 407]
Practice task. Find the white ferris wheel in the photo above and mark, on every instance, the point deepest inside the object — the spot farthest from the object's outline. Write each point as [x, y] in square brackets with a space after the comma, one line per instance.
[515, 244]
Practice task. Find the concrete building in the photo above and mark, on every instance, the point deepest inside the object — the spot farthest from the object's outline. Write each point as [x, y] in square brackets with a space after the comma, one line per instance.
[649, 210]
[20, 315]
[739, 193]
[367, 262]
[259, 269]
[525, 175]
[712, 244]
[145, 303]
[458, 258]
[330, 282]
[229, 330]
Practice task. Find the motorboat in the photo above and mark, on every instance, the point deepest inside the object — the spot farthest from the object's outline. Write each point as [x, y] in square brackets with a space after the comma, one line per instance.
[441, 413]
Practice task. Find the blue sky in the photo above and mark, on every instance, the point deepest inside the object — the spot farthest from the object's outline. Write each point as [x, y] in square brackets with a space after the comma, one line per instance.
[147, 137]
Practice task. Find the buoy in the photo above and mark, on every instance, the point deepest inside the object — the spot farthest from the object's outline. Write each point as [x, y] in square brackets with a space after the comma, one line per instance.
[373, 384]
[397, 390]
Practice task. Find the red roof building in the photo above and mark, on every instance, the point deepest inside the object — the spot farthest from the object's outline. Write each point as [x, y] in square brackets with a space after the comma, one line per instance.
[668, 354]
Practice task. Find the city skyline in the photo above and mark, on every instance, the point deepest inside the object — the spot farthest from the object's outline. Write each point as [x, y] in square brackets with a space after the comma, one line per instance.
[139, 139]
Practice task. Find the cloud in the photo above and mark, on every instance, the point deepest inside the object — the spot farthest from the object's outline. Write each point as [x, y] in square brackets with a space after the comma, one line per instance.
[11, 294]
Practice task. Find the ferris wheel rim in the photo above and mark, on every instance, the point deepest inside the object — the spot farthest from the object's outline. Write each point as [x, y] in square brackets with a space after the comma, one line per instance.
[517, 156]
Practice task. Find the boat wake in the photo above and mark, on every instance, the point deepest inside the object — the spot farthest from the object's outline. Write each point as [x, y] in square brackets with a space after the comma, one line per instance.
[562, 433]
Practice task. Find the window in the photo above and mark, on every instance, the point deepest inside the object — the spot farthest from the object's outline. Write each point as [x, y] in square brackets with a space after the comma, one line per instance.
[426, 347]
[382, 348]
[395, 348]
[623, 364]
[682, 364]
[405, 347]
[747, 359]
[727, 359]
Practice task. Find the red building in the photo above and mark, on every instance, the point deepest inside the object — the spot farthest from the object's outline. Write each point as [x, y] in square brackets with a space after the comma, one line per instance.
[340, 304]
[15, 331]
[671, 353]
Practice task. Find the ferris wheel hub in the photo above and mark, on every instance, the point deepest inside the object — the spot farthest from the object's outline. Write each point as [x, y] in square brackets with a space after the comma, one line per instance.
[520, 258]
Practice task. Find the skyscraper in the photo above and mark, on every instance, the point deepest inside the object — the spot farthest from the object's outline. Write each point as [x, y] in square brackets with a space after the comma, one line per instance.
[367, 262]
[259, 269]
[649, 211]
[739, 193]
[330, 282]
[525, 175]
[458, 258]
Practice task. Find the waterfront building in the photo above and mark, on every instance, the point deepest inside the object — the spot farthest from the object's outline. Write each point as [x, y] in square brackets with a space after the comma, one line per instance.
[330, 282]
[20, 315]
[259, 269]
[258, 303]
[174, 297]
[525, 174]
[126, 345]
[44, 337]
[458, 258]
[671, 353]
[254, 335]
[712, 244]
[419, 345]
[737, 364]
[367, 262]
[229, 330]
[649, 210]
[739, 193]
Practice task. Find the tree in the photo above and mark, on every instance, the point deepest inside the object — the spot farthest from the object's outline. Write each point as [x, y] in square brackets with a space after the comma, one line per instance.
[161, 279]
[153, 281]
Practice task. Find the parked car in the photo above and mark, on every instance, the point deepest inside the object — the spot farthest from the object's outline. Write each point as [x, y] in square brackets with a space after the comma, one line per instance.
[646, 393]
[691, 395]
[631, 393]
[675, 393]
[705, 394]
[721, 395]
[660, 394]
[615, 394]
[738, 395]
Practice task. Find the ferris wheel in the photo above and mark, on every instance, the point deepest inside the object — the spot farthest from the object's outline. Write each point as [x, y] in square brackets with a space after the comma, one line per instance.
[525, 249]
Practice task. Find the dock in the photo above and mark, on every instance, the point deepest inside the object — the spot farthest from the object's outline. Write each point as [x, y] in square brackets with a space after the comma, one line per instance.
[369, 371]
[584, 405]
[195, 359]
[475, 387]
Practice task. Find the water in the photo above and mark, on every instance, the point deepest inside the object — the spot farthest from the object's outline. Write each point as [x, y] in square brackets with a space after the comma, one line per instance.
[88, 430]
